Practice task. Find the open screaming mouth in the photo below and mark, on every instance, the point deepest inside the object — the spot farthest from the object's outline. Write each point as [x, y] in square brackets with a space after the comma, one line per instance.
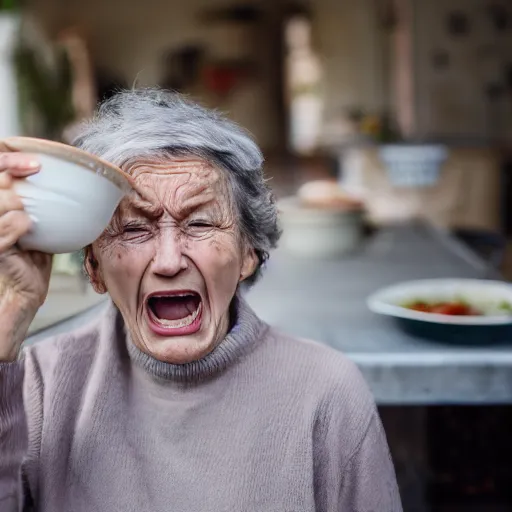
[175, 311]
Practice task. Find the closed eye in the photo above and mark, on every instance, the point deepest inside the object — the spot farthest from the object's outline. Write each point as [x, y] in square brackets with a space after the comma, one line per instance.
[134, 228]
[136, 233]
[200, 224]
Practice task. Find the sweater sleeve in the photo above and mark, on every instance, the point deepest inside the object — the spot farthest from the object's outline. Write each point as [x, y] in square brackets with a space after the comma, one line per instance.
[15, 495]
[353, 467]
[368, 481]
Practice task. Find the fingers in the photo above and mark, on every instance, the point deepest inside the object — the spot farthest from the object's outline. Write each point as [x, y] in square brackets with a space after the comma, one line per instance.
[9, 200]
[14, 222]
[19, 165]
[13, 225]
[5, 180]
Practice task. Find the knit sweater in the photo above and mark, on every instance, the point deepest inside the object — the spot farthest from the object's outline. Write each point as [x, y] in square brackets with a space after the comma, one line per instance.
[266, 422]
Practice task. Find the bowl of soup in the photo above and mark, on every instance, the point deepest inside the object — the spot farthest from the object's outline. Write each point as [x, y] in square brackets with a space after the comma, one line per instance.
[465, 311]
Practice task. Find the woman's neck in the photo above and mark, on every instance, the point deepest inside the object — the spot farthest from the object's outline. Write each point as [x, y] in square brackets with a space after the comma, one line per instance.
[244, 332]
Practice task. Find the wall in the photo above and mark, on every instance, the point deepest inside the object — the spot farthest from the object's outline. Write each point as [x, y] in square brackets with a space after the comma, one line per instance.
[452, 101]
[353, 50]
[402, 79]
[130, 38]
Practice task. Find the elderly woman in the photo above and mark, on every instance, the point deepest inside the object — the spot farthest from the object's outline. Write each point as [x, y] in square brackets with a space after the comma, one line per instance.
[179, 398]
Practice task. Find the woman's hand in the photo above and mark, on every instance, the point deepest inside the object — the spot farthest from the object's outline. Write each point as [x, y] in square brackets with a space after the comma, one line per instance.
[24, 275]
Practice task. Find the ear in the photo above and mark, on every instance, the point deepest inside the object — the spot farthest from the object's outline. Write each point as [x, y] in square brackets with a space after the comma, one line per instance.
[92, 269]
[249, 264]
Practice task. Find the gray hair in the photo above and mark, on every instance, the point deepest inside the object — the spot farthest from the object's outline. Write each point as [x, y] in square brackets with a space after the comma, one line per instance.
[153, 123]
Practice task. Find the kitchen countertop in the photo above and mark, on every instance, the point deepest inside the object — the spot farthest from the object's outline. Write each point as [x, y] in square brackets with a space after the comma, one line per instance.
[326, 301]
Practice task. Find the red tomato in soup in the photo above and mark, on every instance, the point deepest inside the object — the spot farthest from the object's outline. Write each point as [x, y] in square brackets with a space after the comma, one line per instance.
[452, 308]
[444, 308]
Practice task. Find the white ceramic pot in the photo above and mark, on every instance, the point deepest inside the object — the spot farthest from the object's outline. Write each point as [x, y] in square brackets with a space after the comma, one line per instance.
[319, 233]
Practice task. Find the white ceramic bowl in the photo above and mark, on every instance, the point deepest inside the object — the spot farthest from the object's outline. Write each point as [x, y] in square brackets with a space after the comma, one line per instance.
[413, 166]
[319, 232]
[72, 198]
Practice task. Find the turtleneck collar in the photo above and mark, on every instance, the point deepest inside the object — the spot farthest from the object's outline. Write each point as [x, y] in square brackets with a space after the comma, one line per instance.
[245, 333]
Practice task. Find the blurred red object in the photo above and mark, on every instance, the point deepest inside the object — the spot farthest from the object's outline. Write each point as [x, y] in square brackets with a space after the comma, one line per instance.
[223, 78]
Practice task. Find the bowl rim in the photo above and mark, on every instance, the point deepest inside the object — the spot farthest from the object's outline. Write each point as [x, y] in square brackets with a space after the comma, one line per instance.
[378, 305]
[72, 154]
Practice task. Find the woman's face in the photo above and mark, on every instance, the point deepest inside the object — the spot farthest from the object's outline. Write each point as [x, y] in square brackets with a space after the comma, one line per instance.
[172, 258]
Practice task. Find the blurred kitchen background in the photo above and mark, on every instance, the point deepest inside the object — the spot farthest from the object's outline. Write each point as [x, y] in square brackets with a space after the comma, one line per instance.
[405, 106]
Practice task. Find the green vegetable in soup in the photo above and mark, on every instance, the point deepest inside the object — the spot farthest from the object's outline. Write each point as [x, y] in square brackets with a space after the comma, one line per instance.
[505, 306]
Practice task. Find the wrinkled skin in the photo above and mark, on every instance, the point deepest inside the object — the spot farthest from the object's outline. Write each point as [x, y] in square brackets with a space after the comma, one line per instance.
[24, 275]
[178, 232]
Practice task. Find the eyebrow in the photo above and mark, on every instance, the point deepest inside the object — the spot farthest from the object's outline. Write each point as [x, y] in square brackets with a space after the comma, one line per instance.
[152, 211]
[195, 203]
[145, 207]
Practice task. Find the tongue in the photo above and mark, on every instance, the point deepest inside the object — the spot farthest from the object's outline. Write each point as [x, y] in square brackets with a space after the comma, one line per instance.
[173, 308]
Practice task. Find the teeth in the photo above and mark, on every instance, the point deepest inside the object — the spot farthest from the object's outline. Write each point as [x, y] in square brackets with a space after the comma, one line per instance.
[182, 322]
[176, 295]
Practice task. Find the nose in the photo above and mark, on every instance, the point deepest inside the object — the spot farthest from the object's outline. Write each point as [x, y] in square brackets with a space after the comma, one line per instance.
[169, 259]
